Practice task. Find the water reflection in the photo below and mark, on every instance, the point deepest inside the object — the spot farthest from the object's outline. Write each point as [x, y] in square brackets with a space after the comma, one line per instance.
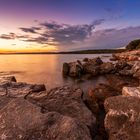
[44, 69]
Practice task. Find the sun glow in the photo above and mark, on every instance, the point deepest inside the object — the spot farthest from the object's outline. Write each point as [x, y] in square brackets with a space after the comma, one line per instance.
[22, 46]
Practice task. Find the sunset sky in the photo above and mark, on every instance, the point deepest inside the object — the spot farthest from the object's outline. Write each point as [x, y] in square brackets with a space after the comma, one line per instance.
[65, 25]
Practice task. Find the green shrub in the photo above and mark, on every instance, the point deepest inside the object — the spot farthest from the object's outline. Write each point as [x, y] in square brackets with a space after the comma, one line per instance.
[135, 44]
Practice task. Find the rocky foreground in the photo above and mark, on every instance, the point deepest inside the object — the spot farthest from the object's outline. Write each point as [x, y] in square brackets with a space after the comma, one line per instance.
[116, 103]
[111, 110]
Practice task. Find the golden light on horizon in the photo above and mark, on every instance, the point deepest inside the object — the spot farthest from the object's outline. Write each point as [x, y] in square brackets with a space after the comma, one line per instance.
[22, 46]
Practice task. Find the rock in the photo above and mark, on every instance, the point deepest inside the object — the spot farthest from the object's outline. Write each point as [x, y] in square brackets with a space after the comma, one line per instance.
[126, 72]
[66, 69]
[120, 65]
[106, 68]
[91, 69]
[6, 79]
[38, 88]
[85, 59]
[75, 69]
[4, 100]
[118, 82]
[27, 122]
[14, 89]
[136, 69]
[122, 119]
[68, 101]
[95, 61]
[131, 91]
[102, 92]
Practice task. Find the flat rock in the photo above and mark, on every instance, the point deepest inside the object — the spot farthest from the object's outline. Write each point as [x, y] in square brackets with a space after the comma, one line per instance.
[19, 89]
[122, 121]
[131, 91]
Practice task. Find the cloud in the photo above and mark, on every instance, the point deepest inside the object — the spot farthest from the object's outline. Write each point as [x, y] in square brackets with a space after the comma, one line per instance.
[60, 34]
[111, 38]
[72, 37]
[30, 30]
[8, 36]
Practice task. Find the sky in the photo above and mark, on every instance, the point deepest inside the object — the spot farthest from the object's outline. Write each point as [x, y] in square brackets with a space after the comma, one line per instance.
[66, 25]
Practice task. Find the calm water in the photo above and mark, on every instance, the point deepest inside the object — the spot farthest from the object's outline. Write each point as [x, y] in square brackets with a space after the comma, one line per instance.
[44, 68]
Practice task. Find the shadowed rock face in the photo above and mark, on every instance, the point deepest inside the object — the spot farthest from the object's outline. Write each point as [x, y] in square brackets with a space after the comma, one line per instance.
[122, 121]
[27, 122]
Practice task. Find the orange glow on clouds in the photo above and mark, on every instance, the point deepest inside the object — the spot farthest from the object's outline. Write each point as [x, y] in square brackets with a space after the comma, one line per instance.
[21, 46]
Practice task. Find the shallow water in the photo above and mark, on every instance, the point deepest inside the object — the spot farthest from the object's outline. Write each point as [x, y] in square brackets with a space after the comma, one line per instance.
[45, 69]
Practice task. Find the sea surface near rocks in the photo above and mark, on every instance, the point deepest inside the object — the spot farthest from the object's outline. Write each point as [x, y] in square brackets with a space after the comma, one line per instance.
[46, 69]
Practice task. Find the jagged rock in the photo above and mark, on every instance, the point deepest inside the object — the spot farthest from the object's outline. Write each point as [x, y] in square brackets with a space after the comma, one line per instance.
[27, 122]
[131, 91]
[122, 119]
[106, 68]
[68, 101]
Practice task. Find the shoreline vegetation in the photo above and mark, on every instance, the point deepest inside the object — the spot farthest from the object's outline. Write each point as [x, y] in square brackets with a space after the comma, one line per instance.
[101, 51]
[30, 111]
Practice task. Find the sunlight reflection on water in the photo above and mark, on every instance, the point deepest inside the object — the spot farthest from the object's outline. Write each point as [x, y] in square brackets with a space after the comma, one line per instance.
[44, 69]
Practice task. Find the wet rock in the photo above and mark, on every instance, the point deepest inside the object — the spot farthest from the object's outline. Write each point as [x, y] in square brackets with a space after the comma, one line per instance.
[106, 68]
[66, 69]
[131, 91]
[122, 119]
[68, 101]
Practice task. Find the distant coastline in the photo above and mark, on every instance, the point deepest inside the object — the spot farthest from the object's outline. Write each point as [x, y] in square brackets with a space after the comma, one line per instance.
[101, 51]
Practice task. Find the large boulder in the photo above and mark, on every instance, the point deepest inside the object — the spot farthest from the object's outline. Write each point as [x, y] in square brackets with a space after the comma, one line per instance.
[122, 121]
[27, 122]
[67, 101]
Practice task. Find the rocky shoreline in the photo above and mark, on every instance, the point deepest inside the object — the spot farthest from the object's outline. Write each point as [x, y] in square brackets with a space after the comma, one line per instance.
[110, 111]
